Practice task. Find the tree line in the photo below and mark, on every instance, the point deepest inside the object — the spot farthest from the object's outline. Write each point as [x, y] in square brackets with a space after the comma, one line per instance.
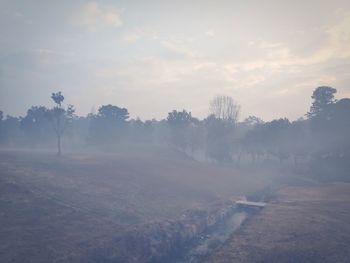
[322, 134]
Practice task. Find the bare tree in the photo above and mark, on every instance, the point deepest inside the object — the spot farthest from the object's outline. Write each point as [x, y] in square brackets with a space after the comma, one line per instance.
[225, 108]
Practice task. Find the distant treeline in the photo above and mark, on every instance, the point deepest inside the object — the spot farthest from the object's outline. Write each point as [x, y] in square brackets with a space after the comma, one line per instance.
[321, 135]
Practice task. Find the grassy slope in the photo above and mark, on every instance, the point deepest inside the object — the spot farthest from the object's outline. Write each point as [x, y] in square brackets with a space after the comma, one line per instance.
[60, 208]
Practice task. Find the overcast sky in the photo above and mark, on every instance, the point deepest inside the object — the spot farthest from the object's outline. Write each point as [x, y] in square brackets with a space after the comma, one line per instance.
[155, 56]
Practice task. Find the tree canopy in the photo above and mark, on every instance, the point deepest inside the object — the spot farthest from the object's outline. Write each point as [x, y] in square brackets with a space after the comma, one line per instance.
[322, 97]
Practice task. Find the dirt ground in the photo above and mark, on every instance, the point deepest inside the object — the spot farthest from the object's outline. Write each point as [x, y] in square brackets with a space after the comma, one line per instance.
[300, 224]
[68, 209]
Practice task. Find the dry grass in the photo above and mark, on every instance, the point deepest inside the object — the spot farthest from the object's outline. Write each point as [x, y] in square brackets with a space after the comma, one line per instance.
[59, 210]
[302, 224]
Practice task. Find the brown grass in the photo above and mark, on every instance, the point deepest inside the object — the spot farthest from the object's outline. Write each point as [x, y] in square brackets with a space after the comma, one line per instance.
[302, 224]
[60, 209]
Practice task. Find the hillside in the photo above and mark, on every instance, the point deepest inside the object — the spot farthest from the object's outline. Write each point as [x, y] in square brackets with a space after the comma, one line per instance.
[59, 209]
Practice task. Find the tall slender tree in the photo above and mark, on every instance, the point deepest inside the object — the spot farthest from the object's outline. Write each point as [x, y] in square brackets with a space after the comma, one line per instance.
[60, 117]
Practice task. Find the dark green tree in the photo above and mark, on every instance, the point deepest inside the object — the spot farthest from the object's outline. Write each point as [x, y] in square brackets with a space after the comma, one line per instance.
[34, 125]
[179, 118]
[109, 124]
[322, 97]
[179, 122]
[219, 139]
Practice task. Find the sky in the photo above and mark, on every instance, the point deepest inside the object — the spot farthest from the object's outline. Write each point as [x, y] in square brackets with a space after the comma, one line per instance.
[155, 56]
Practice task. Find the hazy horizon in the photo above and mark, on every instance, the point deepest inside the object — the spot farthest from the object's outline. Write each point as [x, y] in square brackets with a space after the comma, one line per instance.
[162, 55]
[197, 131]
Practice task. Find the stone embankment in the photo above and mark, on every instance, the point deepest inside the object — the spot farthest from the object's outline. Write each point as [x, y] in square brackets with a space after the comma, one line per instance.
[152, 242]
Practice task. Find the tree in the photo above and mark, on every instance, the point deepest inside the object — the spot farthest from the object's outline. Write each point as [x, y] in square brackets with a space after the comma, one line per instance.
[10, 130]
[219, 139]
[113, 113]
[331, 128]
[221, 126]
[196, 135]
[179, 118]
[108, 124]
[322, 97]
[179, 122]
[57, 98]
[35, 123]
[225, 108]
[252, 121]
[276, 137]
[60, 117]
[141, 131]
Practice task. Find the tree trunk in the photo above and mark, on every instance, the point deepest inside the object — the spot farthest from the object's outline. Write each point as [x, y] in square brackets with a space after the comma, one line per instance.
[59, 145]
[58, 137]
[239, 159]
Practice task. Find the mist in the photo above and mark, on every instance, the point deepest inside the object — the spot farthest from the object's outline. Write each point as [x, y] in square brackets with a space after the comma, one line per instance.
[174, 132]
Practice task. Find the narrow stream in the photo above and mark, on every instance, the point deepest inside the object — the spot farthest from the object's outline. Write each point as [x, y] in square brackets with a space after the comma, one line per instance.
[196, 250]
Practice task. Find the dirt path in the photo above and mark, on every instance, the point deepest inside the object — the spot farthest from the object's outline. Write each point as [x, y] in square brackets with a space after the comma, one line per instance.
[301, 224]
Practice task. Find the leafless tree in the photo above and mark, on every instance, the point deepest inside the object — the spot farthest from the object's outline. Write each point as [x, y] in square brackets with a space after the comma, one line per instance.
[225, 108]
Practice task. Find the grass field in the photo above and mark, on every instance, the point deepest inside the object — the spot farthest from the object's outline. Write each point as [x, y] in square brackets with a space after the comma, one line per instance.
[65, 209]
[300, 224]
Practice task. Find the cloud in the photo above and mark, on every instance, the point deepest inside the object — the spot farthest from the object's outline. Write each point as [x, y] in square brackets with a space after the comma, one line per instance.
[179, 48]
[335, 46]
[210, 33]
[339, 38]
[93, 16]
[274, 57]
[132, 37]
[136, 34]
[272, 70]
[267, 45]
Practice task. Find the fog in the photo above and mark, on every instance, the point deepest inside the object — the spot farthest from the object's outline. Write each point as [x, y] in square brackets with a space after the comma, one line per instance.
[169, 183]
[320, 137]
[174, 131]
